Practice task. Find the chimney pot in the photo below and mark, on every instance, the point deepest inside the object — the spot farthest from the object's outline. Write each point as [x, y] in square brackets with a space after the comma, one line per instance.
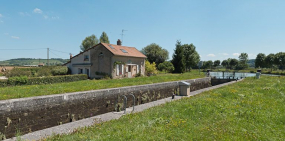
[119, 42]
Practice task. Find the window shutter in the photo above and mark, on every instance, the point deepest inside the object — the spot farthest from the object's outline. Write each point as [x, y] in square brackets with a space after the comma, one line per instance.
[138, 69]
[127, 68]
[122, 69]
[117, 70]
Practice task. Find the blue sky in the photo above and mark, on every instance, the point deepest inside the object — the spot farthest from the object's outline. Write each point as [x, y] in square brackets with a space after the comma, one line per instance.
[219, 29]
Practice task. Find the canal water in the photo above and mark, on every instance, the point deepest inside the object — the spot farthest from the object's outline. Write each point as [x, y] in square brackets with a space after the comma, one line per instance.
[231, 75]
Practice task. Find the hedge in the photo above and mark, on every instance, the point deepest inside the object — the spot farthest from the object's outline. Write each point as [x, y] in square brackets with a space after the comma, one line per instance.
[23, 80]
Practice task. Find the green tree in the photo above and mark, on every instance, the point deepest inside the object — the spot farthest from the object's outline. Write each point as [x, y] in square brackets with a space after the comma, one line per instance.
[260, 60]
[225, 63]
[207, 64]
[150, 68]
[155, 53]
[243, 58]
[233, 63]
[217, 63]
[280, 59]
[104, 38]
[178, 59]
[269, 60]
[192, 57]
[89, 42]
[166, 66]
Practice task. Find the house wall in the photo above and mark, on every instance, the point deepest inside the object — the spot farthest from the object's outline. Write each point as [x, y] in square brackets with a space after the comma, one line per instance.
[79, 59]
[128, 60]
[105, 63]
[100, 63]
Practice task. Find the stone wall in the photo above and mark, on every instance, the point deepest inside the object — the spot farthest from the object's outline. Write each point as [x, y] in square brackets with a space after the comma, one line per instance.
[31, 114]
[215, 82]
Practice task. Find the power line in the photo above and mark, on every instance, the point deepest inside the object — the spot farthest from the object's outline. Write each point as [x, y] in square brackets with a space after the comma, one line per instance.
[55, 54]
[59, 51]
[24, 49]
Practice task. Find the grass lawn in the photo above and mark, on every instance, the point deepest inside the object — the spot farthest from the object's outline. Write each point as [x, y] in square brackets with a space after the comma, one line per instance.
[252, 109]
[58, 88]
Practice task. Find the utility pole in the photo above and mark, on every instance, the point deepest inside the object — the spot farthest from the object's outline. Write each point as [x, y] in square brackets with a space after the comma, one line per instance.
[123, 34]
[47, 56]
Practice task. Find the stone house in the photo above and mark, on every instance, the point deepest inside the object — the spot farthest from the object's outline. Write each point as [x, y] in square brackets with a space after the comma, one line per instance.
[117, 61]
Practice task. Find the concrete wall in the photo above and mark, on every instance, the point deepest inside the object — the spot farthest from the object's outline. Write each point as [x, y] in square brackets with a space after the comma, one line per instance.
[31, 114]
[215, 82]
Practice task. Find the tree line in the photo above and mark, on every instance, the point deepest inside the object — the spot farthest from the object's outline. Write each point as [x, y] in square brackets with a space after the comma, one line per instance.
[185, 57]
[270, 61]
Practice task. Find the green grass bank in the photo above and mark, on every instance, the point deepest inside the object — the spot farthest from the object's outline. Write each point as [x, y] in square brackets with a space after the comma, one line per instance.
[85, 85]
[252, 109]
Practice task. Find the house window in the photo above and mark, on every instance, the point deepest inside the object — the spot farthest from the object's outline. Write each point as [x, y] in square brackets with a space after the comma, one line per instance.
[119, 69]
[124, 51]
[86, 57]
[138, 69]
[80, 71]
[111, 47]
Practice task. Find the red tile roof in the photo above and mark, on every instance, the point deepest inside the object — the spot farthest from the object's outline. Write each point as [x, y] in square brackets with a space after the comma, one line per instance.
[131, 51]
[117, 50]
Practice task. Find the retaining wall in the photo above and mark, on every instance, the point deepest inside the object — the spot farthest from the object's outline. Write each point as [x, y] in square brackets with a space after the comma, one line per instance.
[36, 113]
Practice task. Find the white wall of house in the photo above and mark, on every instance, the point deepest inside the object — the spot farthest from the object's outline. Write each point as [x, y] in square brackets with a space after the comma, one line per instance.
[76, 64]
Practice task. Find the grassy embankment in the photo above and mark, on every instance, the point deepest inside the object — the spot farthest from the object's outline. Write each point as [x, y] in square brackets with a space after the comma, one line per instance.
[252, 109]
[58, 88]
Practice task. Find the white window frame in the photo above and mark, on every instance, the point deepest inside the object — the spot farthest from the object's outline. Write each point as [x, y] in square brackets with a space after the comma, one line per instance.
[117, 69]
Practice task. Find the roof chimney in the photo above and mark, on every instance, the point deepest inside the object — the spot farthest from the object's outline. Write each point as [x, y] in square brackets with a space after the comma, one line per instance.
[70, 55]
[119, 42]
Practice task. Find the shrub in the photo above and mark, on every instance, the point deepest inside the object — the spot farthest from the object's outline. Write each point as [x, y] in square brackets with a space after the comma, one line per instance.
[105, 75]
[3, 83]
[44, 71]
[17, 72]
[24, 80]
[21, 80]
[59, 70]
[150, 68]
[166, 66]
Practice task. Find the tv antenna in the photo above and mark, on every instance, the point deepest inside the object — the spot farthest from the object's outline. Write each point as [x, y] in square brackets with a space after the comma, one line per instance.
[123, 34]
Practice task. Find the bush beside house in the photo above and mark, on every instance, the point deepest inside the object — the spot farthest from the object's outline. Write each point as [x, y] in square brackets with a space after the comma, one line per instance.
[24, 80]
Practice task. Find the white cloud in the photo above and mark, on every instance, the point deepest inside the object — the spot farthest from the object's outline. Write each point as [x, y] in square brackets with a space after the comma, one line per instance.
[1, 15]
[24, 14]
[236, 54]
[6, 33]
[15, 37]
[54, 17]
[37, 10]
[211, 55]
[225, 54]
[45, 16]
[251, 55]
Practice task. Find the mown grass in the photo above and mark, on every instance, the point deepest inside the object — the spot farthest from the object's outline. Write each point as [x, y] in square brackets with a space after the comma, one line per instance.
[58, 88]
[252, 109]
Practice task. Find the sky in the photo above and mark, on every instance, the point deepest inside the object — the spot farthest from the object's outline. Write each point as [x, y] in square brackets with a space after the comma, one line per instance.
[219, 29]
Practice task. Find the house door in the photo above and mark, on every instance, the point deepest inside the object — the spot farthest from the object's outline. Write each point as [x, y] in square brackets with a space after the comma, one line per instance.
[87, 72]
[129, 71]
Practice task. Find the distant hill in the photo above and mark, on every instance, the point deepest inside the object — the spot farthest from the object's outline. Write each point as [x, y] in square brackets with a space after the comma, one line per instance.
[32, 61]
[251, 63]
